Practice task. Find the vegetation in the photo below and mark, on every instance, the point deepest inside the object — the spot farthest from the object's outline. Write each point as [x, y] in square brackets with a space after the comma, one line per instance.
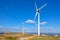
[16, 36]
[45, 38]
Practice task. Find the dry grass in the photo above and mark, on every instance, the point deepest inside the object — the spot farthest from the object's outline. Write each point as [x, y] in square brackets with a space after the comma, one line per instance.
[16, 36]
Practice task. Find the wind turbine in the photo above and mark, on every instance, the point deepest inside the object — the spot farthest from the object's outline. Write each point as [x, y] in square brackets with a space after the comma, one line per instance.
[23, 29]
[38, 14]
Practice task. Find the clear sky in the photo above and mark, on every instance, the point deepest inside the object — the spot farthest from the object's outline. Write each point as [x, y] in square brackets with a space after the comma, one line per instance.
[14, 14]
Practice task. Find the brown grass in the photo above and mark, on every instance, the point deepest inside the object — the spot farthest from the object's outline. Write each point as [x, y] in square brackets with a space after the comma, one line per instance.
[16, 36]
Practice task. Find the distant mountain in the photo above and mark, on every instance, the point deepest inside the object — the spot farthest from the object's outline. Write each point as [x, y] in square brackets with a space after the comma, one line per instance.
[50, 34]
[1, 32]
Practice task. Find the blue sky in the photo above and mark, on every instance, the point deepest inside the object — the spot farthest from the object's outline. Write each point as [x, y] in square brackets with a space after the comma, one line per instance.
[14, 14]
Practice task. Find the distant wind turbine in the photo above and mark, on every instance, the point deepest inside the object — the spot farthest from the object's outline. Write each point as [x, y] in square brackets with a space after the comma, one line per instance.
[38, 14]
[23, 29]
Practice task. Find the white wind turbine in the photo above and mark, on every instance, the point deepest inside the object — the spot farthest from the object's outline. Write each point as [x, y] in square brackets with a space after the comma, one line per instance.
[38, 14]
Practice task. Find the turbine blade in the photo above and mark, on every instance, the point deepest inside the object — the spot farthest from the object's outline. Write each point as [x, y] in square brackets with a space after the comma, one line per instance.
[43, 6]
[35, 5]
[35, 16]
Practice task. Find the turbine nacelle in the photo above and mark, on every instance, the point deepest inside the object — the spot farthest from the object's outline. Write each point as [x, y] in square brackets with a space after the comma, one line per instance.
[38, 10]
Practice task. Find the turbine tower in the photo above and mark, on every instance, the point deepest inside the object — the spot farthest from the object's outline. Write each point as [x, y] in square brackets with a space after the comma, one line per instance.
[38, 14]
